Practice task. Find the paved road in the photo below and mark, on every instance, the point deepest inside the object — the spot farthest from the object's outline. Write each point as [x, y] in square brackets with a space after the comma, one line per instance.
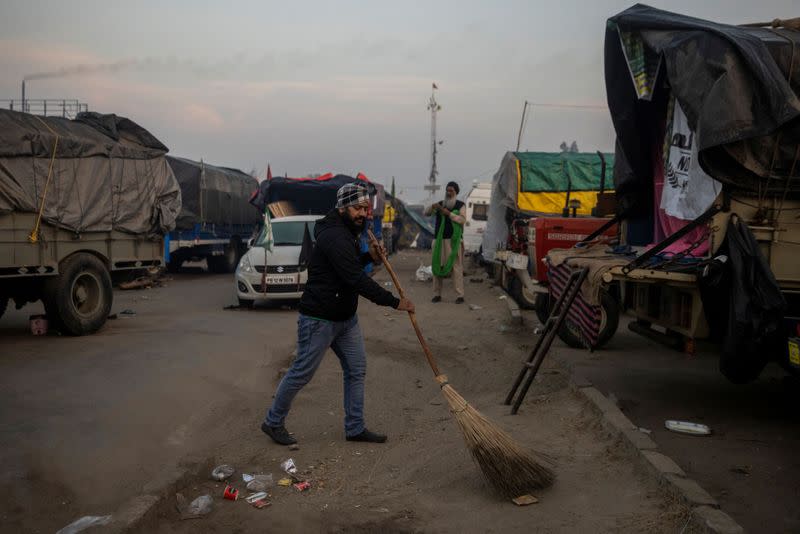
[751, 463]
[87, 422]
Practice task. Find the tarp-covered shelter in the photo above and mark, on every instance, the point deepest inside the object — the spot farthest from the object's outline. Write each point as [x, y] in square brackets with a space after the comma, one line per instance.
[706, 117]
[730, 85]
[308, 196]
[214, 195]
[108, 173]
[537, 184]
[410, 226]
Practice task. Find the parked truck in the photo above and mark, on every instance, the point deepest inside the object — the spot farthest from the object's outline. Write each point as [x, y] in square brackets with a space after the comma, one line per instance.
[82, 203]
[707, 188]
[477, 213]
[216, 218]
[539, 201]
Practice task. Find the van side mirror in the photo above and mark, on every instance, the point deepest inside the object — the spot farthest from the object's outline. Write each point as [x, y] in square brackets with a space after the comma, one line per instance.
[250, 242]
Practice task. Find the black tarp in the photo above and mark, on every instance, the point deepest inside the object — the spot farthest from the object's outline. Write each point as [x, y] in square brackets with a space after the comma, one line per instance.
[410, 225]
[108, 173]
[743, 304]
[732, 83]
[214, 195]
[308, 196]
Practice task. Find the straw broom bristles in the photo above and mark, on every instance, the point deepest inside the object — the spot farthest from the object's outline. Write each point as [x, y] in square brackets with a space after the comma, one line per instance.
[510, 469]
[505, 464]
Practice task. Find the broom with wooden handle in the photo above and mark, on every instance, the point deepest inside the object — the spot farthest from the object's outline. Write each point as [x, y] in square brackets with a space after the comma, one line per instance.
[510, 469]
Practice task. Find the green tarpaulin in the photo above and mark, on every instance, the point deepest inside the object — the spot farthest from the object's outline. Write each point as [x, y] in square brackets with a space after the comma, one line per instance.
[549, 172]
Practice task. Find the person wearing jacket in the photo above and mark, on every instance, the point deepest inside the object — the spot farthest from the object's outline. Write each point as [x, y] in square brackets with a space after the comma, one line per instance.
[328, 316]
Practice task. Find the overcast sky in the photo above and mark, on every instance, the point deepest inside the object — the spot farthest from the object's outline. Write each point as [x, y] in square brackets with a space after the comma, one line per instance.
[312, 87]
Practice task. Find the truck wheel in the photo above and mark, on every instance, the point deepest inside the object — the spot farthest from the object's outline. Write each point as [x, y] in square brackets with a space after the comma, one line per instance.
[3, 305]
[79, 298]
[609, 321]
[228, 261]
[517, 290]
[174, 264]
[542, 306]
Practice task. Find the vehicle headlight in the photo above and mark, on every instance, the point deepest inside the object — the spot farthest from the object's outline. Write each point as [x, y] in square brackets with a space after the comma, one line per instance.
[245, 265]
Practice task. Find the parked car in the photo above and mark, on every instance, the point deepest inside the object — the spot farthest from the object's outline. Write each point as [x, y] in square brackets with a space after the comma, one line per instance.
[278, 274]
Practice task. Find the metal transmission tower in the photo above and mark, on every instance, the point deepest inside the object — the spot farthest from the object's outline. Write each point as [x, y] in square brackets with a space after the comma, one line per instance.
[434, 107]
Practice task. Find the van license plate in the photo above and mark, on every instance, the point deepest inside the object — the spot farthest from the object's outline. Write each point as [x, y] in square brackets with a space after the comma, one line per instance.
[281, 278]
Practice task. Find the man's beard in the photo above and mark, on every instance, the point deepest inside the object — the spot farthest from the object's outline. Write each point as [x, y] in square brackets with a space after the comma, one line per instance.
[450, 202]
[355, 226]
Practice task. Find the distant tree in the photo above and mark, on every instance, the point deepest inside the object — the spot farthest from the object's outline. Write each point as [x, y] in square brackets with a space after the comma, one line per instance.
[568, 148]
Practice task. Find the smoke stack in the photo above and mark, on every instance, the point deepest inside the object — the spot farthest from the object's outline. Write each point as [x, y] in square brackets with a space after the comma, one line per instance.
[23, 96]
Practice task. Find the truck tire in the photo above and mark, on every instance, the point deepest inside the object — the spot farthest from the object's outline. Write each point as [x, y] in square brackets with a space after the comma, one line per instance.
[3, 305]
[525, 299]
[609, 321]
[78, 300]
[174, 264]
[228, 261]
[542, 307]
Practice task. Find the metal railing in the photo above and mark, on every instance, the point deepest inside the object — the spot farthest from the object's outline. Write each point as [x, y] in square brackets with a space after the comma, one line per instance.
[68, 109]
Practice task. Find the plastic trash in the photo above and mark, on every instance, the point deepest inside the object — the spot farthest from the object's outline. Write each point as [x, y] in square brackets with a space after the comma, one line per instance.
[256, 496]
[259, 500]
[686, 427]
[424, 273]
[85, 522]
[289, 467]
[221, 472]
[197, 508]
[38, 324]
[231, 493]
[258, 482]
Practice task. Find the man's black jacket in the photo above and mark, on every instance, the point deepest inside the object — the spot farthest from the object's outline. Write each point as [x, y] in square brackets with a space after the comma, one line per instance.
[336, 274]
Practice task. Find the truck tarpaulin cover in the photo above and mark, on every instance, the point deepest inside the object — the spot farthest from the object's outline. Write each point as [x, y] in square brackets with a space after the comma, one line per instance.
[108, 173]
[732, 84]
[213, 195]
[536, 183]
[309, 196]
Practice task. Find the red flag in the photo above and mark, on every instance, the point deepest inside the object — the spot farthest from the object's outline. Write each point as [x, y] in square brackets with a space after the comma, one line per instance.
[269, 172]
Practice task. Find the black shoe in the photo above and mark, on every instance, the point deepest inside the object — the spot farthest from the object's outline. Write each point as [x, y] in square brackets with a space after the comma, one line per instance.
[279, 434]
[460, 300]
[366, 435]
[436, 299]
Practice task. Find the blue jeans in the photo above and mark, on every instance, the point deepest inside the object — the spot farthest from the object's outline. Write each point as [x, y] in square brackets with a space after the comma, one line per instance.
[314, 337]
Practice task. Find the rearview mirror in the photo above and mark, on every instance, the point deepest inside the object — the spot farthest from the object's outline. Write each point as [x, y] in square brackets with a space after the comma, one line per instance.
[250, 242]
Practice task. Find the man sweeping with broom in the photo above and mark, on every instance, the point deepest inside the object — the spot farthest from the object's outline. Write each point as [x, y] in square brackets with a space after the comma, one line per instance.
[448, 250]
[328, 317]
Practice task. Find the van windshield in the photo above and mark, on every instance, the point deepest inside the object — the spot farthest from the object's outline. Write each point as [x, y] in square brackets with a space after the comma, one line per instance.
[480, 212]
[286, 233]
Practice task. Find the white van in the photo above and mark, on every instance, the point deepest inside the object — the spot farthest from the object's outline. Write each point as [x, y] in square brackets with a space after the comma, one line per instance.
[285, 278]
[477, 213]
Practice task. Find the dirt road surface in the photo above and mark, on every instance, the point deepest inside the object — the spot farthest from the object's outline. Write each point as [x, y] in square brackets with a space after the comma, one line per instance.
[90, 422]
